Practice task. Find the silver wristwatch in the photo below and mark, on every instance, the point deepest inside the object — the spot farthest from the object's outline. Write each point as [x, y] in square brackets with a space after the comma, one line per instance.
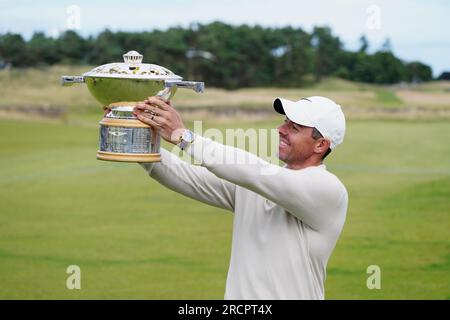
[186, 139]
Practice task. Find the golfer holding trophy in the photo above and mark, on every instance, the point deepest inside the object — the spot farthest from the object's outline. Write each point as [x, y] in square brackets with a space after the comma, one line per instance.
[287, 219]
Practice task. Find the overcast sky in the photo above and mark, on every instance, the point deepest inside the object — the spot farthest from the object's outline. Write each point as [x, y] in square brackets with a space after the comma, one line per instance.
[418, 29]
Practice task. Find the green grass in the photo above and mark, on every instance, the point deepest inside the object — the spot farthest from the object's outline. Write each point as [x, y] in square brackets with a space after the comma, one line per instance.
[388, 97]
[133, 238]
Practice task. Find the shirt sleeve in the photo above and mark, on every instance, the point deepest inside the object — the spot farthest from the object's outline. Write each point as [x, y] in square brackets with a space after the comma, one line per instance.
[313, 195]
[193, 181]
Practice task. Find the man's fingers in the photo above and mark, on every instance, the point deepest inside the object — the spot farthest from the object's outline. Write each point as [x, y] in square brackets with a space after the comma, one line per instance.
[141, 106]
[159, 98]
[150, 108]
[166, 101]
[153, 110]
[151, 119]
[148, 121]
[159, 102]
[107, 110]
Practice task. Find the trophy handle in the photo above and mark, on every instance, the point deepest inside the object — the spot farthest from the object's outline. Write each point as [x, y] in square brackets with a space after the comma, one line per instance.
[70, 80]
[165, 93]
[170, 84]
[194, 85]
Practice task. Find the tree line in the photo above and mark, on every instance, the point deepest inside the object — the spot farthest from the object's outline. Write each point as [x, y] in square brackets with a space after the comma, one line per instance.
[223, 55]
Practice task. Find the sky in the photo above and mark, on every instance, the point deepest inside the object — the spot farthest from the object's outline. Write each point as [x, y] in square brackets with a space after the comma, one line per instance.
[418, 29]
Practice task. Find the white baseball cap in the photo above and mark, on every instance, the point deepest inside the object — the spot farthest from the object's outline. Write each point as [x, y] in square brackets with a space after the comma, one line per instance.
[319, 112]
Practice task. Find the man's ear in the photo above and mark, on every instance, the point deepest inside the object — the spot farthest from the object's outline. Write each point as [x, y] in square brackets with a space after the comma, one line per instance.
[322, 145]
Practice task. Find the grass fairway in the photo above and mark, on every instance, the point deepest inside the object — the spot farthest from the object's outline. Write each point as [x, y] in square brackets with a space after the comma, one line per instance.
[132, 238]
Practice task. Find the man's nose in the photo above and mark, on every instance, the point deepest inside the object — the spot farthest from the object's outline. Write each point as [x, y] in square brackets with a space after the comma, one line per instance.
[282, 129]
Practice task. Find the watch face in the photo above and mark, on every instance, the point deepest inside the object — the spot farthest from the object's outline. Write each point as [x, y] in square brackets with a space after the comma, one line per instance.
[188, 136]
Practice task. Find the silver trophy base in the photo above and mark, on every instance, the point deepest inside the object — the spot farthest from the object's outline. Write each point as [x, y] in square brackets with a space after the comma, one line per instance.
[124, 138]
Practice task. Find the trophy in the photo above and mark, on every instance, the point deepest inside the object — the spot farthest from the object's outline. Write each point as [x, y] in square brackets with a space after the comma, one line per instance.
[118, 87]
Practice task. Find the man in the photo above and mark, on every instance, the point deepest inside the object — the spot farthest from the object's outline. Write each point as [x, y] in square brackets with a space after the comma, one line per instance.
[287, 219]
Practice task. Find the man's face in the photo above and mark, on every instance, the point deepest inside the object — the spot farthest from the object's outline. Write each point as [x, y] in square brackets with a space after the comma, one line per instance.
[296, 143]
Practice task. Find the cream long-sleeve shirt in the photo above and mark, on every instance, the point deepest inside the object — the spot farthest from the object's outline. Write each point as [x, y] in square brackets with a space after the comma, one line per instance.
[286, 222]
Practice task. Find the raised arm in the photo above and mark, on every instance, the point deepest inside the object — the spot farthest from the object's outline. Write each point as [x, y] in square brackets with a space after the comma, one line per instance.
[311, 194]
[193, 181]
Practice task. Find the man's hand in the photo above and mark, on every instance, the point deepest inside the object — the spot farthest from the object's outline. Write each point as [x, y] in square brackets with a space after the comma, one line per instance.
[158, 113]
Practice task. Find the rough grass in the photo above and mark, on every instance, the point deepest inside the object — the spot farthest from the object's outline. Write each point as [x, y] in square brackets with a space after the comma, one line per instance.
[133, 238]
[40, 88]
